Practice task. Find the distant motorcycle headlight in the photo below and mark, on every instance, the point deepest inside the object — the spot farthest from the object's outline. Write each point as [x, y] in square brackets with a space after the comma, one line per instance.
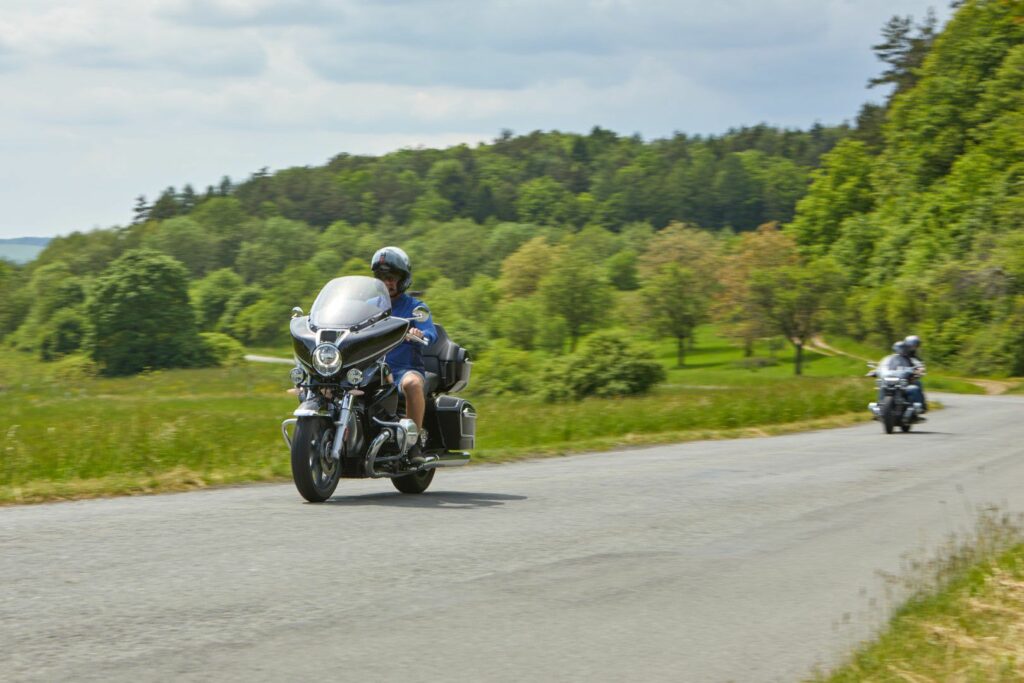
[354, 376]
[326, 359]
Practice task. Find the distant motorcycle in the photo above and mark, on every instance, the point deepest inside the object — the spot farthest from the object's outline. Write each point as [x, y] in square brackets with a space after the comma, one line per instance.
[893, 375]
[347, 424]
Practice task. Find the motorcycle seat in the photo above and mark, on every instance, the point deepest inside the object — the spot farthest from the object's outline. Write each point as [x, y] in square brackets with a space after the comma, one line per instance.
[441, 360]
[432, 381]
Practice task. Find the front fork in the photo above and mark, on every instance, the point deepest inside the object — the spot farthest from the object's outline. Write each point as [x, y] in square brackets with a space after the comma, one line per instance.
[341, 426]
[310, 408]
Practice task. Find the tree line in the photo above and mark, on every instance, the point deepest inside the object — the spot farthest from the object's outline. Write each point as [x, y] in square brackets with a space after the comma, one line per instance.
[530, 248]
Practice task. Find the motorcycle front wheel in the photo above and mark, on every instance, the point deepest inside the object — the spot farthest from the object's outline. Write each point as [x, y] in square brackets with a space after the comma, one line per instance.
[887, 410]
[314, 471]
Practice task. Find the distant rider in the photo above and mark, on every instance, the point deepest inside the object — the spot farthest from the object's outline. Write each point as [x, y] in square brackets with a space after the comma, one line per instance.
[912, 344]
[391, 266]
[899, 359]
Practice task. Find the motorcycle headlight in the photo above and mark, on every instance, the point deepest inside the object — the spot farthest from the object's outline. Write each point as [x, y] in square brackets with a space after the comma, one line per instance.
[297, 375]
[326, 359]
[354, 376]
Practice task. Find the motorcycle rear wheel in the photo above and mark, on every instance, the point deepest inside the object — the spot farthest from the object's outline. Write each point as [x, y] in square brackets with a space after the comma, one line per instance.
[888, 416]
[314, 472]
[414, 483]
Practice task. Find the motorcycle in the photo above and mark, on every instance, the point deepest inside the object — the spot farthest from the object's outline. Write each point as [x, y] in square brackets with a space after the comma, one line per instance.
[892, 377]
[348, 423]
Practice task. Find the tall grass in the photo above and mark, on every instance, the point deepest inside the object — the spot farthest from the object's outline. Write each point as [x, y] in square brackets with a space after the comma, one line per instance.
[514, 424]
[183, 428]
[964, 618]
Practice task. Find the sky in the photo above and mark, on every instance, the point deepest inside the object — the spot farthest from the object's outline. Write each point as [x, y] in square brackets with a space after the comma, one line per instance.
[104, 100]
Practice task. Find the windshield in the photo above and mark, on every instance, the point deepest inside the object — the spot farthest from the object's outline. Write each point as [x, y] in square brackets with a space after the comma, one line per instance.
[347, 301]
[894, 364]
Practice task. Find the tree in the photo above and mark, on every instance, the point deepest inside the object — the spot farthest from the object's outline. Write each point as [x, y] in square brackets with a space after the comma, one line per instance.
[523, 269]
[574, 288]
[794, 300]
[767, 247]
[696, 250]
[166, 205]
[674, 305]
[187, 241]
[140, 213]
[141, 316]
[903, 52]
[545, 201]
[839, 189]
[210, 296]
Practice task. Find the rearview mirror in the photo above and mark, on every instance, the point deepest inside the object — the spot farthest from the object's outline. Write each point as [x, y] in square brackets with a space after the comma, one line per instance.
[420, 314]
[296, 312]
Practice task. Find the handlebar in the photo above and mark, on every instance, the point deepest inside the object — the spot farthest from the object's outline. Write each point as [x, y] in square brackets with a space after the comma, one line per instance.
[417, 340]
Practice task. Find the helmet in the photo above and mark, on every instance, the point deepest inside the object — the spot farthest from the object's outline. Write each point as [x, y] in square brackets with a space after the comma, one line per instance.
[912, 342]
[899, 348]
[393, 260]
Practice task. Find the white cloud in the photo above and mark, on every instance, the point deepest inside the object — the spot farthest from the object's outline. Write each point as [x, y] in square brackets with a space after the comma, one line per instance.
[104, 99]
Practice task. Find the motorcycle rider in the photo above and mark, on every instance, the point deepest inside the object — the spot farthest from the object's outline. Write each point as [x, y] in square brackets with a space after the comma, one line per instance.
[900, 358]
[912, 343]
[391, 266]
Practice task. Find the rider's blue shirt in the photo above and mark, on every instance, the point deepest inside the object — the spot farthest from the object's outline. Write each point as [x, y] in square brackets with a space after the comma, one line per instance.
[408, 355]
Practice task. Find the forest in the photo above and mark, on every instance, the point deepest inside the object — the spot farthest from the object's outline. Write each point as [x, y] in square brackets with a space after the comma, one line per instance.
[533, 249]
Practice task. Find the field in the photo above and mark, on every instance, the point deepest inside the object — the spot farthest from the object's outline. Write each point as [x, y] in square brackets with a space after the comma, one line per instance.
[181, 429]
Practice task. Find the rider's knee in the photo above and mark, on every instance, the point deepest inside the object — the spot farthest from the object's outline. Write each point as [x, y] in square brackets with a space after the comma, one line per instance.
[412, 380]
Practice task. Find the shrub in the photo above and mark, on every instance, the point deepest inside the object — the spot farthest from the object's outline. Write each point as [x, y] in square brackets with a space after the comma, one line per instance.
[62, 334]
[606, 364]
[505, 370]
[218, 349]
[73, 369]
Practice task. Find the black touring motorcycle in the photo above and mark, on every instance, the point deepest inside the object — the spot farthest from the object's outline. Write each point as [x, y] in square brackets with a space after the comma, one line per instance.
[893, 374]
[348, 422]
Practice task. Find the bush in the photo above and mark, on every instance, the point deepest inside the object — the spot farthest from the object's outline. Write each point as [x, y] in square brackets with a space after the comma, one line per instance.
[141, 315]
[606, 364]
[505, 370]
[218, 349]
[73, 369]
[63, 333]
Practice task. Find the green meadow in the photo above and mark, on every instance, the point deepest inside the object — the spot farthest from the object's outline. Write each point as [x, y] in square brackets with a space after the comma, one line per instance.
[65, 437]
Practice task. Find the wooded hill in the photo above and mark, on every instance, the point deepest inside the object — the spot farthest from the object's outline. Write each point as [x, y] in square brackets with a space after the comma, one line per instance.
[928, 232]
[913, 223]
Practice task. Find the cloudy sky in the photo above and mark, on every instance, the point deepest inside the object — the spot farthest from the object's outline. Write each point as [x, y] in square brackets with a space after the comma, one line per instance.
[103, 100]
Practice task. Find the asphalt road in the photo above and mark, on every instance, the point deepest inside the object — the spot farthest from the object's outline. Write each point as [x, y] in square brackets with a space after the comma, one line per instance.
[747, 560]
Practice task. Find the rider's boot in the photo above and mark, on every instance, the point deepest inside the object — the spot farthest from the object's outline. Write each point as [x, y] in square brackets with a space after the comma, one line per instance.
[416, 456]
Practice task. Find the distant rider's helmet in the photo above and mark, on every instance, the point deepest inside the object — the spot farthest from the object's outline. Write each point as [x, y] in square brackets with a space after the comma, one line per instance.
[899, 348]
[393, 260]
[913, 342]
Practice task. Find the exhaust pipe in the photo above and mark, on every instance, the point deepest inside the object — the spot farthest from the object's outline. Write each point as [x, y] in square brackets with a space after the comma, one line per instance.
[371, 455]
[447, 460]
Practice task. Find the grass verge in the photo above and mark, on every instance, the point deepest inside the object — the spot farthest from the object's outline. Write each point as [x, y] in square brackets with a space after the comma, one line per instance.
[66, 438]
[964, 620]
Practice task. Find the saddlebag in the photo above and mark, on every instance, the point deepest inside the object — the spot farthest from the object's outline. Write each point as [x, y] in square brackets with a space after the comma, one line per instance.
[456, 421]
